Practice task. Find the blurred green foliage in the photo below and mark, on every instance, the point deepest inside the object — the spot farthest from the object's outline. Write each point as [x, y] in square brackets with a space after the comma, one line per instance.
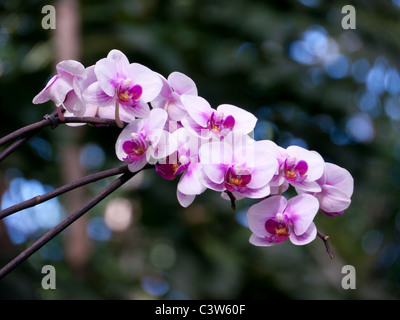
[307, 80]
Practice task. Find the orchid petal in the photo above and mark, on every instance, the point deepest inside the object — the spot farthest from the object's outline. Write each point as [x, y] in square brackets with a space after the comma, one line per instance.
[195, 128]
[306, 237]
[257, 193]
[118, 57]
[147, 79]
[265, 166]
[244, 120]
[55, 90]
[182, 84]
[161, 144]
[215, 153]
[333, 199]
[107, 75]
[261, 242]
[185, 200]
[198, 109]
[301, 211]
[260, 212]
[156, 120]
[190, 182]
[208, 183]
[137, 165]
[71, 67]
[75, 105]
[175, 109]
[95, 95]
[215, 158]
[306, 186]
[140, 109]
[340, 178]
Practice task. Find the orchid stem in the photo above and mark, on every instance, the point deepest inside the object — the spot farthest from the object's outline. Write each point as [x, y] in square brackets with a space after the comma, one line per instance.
[280, 189]
[233, 200]
[325, 240]
[117, 118]
[60, 113]
[25, 133]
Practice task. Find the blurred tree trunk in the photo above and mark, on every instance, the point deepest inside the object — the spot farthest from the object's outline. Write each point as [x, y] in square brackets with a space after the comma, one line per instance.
[66, 39]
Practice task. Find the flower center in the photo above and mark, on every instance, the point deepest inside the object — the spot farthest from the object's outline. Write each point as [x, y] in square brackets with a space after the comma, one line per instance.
[236, 178]
[278, 228]
[220, 125]
[128, 94]
[169, 170]
[295, 171]
[134, 148]
[123, 96]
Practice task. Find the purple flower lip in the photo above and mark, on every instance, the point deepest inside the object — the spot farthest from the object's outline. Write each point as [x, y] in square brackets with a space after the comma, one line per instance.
[278, 228]
[295, 171]
[135, 148]
[169, 170]
[128, 95]
[235, 181]
[218, 124]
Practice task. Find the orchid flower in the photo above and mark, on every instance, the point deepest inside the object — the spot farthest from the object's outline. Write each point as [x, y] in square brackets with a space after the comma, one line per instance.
[64, 89]
[276, 219]
[298, 167]
[208, 123]
[144, 140]
[174, 87]
[184, 162]
[90, 110]
[238, 164]
[130, 85]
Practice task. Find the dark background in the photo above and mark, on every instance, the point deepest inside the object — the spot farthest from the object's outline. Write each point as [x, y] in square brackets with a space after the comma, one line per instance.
[309, 82]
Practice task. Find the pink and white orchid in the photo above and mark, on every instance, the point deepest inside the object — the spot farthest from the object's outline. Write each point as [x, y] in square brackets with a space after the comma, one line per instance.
[238, 164]
[298, 167]
[207, 122]
[169, 99]
[184, 162]
[144, 140]
[130, 85]
[276, 219]
[65, 88]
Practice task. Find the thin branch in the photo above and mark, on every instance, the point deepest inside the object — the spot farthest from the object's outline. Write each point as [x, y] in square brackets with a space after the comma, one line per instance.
[11, 148]
[25, 133]
[65, 223]
[54, 120]
[233, 200]
[32, 128]
[327, 246]
[56, 192]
